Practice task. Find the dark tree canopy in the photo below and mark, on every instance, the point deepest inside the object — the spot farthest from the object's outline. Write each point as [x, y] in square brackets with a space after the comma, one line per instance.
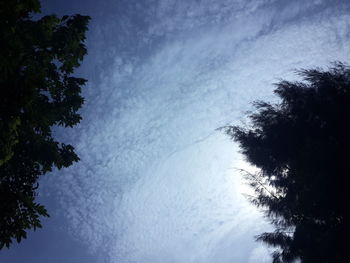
[38, 92]
[301, 146]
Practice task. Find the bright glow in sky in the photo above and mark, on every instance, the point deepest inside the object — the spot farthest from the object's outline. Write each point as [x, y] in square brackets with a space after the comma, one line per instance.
[156, 181]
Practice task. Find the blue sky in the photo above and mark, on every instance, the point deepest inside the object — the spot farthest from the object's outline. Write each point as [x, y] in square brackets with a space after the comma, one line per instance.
[156, 181]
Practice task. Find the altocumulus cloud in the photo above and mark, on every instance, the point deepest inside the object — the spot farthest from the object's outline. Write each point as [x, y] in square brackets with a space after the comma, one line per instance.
[156, 181]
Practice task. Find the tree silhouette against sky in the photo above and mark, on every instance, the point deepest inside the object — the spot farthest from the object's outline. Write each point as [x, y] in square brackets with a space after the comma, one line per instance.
[300, 146]
[38, 92]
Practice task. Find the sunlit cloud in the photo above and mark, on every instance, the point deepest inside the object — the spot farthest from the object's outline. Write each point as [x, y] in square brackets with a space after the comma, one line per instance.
[156, 181]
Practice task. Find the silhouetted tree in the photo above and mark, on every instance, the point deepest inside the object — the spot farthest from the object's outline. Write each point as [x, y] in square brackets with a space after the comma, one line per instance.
[301, 145]
[37, 58]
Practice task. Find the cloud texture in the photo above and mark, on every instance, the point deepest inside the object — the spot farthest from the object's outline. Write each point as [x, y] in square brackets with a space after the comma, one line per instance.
[156, 181]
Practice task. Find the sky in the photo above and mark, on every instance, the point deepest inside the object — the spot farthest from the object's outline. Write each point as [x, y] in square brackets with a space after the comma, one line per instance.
[157, 182]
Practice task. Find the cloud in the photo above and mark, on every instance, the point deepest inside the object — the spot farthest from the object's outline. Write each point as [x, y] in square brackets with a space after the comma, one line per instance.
[155, 182]
[260, 255]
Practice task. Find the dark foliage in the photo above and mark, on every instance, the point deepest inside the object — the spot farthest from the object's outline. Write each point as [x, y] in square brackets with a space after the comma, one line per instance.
[301, 146]
[37, 58]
